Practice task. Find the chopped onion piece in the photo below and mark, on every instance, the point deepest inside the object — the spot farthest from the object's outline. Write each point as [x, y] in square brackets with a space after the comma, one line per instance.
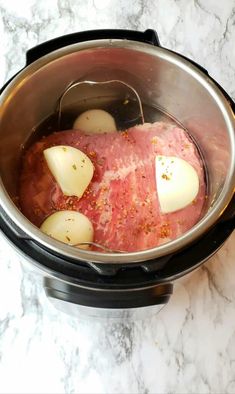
[177, 183]
[95, 121]
[70, 227]
[72, 169]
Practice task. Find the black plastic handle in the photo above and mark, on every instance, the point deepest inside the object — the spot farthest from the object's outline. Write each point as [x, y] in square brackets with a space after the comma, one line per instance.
[103, 298]
[149, 37]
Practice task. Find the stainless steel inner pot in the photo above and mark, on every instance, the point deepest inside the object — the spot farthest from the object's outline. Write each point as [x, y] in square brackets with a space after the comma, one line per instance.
[162, 79]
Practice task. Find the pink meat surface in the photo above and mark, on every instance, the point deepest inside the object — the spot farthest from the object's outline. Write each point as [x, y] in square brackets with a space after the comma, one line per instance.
[121, 200]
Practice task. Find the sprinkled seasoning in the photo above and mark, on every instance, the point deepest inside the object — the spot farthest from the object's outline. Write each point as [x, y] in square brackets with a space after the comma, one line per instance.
[180, 222]
[166, 177]
[87, 193]
[164, 231]
[64, 149]
[147, 228]
[74, 166]
[68, 239]
[154, 142]
[125, 135]
[147, 201]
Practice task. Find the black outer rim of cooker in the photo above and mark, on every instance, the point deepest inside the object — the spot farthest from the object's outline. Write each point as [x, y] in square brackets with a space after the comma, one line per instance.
[113, 276]
[132, 285]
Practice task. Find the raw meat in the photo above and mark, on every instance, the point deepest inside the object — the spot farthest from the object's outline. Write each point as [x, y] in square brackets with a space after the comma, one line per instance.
[121, 200]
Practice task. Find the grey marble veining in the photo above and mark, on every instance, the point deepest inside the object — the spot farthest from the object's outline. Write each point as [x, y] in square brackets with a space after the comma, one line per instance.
[190, 346]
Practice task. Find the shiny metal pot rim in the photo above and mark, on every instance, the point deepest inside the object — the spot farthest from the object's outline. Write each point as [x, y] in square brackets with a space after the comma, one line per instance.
[29, 231]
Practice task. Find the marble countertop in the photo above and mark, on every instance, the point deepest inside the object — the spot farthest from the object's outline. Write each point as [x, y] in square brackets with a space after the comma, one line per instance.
[189, 347]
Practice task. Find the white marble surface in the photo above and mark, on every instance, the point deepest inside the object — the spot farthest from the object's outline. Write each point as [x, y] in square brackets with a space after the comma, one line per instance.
[190, 346]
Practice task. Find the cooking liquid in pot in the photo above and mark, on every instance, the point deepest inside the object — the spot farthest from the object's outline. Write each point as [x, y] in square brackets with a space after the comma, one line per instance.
[125, 115]
[124, 207]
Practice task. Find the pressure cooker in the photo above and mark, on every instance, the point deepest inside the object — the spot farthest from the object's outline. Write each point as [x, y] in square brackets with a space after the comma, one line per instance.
[162, 77]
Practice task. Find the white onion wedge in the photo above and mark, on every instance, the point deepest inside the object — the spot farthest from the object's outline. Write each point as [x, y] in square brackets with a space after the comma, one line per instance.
[95, 121]
[177, 183]
[70, 227]
[72, 169]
